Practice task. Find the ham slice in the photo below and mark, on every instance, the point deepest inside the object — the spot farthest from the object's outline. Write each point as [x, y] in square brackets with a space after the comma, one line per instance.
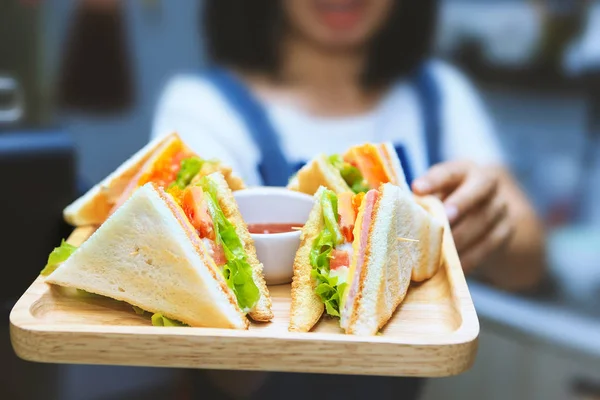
[367, 217]
[216, 251]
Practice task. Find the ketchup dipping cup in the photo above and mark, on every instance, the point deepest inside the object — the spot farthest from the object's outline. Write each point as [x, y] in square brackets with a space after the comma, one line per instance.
[275, 209]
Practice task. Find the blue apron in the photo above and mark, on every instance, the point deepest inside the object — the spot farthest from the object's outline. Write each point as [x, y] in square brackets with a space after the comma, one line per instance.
[275, 169]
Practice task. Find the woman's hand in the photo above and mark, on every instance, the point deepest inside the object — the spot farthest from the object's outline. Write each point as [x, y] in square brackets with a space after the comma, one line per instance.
[476, 205]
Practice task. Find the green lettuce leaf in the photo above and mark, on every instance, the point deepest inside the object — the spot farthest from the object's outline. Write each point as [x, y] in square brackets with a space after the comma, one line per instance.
[327, 287]
[188, 170]
[237, 271]
[329, 206]
[83, 293]
[161, 320]
[138, 310]
[360, 187]
[58, 256]
[350, 174]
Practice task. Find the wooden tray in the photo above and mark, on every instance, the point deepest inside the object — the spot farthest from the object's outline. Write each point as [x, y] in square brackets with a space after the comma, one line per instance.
[433, 333]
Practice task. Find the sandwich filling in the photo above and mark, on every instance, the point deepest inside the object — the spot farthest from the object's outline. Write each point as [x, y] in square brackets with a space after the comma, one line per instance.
[58, 256]
[350, 173]
[332, 250]
[201, 206]
[174, 169]
[364, 167]
[166, 168]
[340, 251]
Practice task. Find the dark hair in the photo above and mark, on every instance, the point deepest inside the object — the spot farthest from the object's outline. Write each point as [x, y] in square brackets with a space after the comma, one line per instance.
[245, 34]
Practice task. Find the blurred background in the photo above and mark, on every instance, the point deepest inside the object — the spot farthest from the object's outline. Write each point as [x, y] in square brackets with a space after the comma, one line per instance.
[77, 96]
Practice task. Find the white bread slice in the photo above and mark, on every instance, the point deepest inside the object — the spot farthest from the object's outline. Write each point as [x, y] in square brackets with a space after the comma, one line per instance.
[430, 232]
[307, 307]
[94, 206]
[262, 311]
[148, 255]
[390, 157]
[426, 228]
[385, 274]
[318, 172]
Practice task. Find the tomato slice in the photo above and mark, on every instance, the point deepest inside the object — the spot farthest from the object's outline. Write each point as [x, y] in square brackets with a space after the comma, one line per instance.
[347, 214]
[339, 258]
[196, 210]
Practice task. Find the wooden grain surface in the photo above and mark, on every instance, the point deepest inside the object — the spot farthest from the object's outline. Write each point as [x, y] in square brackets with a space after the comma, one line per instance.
[433, 333]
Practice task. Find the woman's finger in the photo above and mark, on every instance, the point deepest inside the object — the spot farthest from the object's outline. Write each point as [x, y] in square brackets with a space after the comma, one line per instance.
[444, 177]
[491, 242]
[478, 223]
[477, 189]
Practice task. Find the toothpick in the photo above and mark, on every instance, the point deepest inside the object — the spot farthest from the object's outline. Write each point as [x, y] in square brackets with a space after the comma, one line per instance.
[296, 228]
[401, 239]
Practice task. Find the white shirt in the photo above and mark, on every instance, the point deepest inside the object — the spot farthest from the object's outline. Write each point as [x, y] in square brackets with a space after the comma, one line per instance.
[191, 106]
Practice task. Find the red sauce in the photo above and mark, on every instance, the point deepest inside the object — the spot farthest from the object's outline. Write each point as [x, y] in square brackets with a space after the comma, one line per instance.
[273, 228]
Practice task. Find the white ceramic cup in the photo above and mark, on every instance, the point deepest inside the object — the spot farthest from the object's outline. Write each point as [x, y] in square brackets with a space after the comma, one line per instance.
[272, 205]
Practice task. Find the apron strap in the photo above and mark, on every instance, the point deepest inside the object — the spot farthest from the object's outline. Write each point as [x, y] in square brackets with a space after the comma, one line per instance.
[430, 103]
[404, 163]
[273, 167]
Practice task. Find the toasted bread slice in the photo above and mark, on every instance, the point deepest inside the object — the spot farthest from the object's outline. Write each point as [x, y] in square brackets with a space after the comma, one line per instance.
[233, 181]
[318, 172]
[262, 311]
[307, 307]
[94, 206]
[148, 255]
[382, 279]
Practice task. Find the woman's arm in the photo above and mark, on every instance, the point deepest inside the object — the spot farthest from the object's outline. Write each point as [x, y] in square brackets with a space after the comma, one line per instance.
[495, 229]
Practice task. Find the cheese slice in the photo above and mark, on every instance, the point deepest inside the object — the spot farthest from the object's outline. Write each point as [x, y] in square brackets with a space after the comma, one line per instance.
[372, 164]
